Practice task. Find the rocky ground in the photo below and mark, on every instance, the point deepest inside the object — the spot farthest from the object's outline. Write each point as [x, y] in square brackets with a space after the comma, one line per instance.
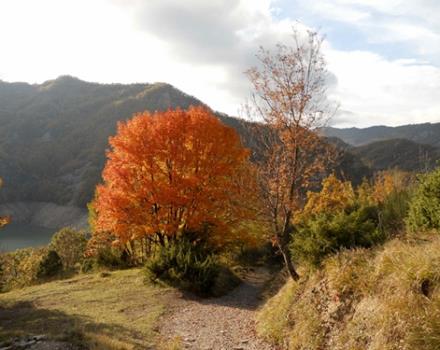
[38, 342]
[225, 323]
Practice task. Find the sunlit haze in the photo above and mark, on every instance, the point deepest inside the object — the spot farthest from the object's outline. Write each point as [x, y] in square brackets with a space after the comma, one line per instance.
[384, 54]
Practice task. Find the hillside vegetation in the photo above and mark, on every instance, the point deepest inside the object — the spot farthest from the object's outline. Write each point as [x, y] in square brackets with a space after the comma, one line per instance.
[426, 133]
[398, 153]
[350, 297]
[190, 211]
[54, 135]
[105, 310]
[381, 299]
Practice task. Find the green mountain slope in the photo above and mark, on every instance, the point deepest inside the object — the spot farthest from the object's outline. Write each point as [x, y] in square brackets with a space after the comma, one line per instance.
[399, 153]
[54, 135]
[427, 133]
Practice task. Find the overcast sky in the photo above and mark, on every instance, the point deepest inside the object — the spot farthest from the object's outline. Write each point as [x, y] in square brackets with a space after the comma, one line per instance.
[385, 54]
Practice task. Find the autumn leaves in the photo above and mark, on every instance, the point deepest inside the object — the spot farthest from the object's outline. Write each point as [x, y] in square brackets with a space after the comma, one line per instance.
[173, 172]
[179, 171]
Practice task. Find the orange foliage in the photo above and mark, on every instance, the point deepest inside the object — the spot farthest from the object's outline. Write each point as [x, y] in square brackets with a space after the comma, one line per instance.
[389, 181]
[334, 196]
[365, 193]
[173, 172]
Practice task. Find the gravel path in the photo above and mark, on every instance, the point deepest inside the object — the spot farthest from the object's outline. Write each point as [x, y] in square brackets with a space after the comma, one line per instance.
[224, 323]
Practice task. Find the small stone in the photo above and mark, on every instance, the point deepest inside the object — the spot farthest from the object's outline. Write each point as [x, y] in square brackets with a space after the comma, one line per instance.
[39, 337]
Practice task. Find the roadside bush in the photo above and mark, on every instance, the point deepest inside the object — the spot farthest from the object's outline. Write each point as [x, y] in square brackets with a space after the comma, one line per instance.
[111, 257]
[265, 254]
[50, 265]
[70, 246]
[325, 234]
[25, 267]
[424, 207]
[393, 211]
[105, 257]
[184, 264]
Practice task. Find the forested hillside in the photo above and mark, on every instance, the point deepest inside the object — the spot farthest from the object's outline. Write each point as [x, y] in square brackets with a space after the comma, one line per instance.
[426, 133]
[400, 153]
[54, 135]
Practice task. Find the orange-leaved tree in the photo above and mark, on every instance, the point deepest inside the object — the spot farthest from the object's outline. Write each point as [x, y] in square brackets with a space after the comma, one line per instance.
[4, 220]
[171, 173]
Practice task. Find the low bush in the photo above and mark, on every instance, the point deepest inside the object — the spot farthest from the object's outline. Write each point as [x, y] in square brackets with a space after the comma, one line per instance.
[50, 265]
[105, 258]
[326, 233]
[393, 211]
[111, 258]
[185, 264]
[424, 207]
[265, 254]
[70, 245]
[25, 267]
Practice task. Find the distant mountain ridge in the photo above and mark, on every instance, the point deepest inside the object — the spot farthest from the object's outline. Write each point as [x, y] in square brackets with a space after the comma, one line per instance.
[53, 138]
[397, 153]
[426, 133]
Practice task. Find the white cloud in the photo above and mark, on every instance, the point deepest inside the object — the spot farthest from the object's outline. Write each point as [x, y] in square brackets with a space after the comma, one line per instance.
[381, 91]
[413, 22]
[203, 48]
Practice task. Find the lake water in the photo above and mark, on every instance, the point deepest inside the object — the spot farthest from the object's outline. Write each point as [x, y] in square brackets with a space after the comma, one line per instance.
[16, 235]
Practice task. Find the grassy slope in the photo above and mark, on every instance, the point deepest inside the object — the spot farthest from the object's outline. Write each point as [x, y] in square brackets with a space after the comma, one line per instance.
[384, 299]
[107, 312]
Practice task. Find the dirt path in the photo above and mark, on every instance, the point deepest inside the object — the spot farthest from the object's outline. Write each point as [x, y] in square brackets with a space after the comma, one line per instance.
[219, 323]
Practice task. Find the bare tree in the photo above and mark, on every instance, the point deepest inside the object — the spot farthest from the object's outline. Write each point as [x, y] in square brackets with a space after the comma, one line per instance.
[289, 96]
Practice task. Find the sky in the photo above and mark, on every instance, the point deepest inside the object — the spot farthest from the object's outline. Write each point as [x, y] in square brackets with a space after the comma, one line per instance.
[384, 55]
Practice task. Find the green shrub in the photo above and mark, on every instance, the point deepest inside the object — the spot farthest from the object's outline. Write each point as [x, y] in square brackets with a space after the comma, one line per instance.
[70, 245]
[394, 210]
[325, 234]
[87, 265]
[25, 267]
[112, 258]
[50, 265]
[265, 254]
[184, 264]
[105, 257]
[424, 208]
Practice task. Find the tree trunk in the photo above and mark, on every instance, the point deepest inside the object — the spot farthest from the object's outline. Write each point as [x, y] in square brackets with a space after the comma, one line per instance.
[283, 239]
[288, 262]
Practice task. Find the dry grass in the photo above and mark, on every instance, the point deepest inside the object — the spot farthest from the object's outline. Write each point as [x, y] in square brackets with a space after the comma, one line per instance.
[173, 344]
[385, 299]
[117, 311]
